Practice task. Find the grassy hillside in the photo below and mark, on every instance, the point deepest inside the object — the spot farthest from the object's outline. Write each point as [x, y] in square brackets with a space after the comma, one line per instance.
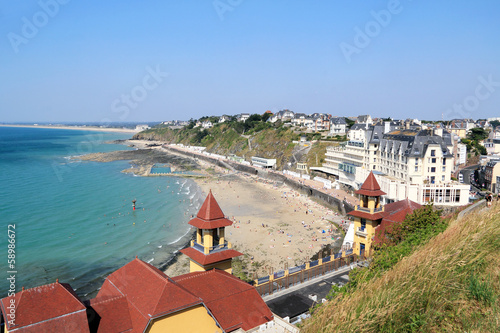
[264, 140]
[316, 156]
[450, 284]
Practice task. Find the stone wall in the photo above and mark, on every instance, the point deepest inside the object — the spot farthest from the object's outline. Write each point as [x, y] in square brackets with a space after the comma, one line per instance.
[314, 194]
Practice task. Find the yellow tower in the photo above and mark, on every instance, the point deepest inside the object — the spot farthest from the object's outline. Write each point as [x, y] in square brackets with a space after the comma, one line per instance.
[367, 215]
[210, 249]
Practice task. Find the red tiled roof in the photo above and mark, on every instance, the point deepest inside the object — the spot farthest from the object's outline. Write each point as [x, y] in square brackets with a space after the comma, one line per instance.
[149, 292]
[234, 303]
[207, 259]
[370, 187]
[394, 213]
[397, 211]
[50, 308]
[210, 216]
[113, 312]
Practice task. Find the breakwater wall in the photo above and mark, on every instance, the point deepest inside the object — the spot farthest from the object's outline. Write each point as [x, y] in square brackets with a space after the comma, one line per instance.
[323, 198]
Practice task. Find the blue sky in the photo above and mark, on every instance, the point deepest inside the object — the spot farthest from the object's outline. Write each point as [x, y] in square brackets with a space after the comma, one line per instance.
[160, 60]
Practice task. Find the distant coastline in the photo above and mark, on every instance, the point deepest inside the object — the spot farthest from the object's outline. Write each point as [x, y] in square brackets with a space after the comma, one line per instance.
[80, 128]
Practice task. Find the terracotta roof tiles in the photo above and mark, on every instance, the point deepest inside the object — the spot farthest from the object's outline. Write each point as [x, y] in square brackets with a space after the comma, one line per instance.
[210, 215]
[370, 187]
[234, 303]
[50, 308]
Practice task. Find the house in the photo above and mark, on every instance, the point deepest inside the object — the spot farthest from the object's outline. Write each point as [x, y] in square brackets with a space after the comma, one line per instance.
[371, 218]
[243, 116]
[299, 119]
[460, 127]
[140, 128]
[485, 124]
[492, 146]
[207, 124]
[338, 126]
[364, 119]
[224, 118]
[321, 123]
[491, 172]
[283, 115]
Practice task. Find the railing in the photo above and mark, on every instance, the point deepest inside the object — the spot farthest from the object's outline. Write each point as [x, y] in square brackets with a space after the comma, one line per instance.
[368, 210]
[212, 249]
[296, 275]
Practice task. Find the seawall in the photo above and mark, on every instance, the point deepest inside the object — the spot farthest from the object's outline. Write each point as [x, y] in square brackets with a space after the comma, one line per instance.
[323, 198]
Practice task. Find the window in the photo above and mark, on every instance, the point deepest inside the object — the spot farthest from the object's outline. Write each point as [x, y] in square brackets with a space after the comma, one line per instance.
[416, 168]
[442, 178]
[433, 169]
[433, 152]
[444, 169]
[433, 160]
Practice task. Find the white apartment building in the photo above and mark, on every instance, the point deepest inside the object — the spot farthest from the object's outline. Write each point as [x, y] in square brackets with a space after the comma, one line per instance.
[410, 163]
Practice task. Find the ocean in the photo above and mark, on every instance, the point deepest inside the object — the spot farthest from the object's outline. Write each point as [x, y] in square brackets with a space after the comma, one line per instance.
[74, 220]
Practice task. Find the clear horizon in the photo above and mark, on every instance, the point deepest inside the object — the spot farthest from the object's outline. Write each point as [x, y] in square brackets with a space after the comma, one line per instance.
[68, 61]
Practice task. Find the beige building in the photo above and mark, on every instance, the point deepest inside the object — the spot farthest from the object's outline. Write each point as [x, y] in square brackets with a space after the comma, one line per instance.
[491, 175]
[409, 163]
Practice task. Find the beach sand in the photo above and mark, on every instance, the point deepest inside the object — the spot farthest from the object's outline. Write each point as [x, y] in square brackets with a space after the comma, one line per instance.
[273, 226]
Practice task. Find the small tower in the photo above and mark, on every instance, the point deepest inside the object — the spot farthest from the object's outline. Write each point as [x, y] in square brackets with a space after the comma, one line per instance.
[210, 249]
[367, 215]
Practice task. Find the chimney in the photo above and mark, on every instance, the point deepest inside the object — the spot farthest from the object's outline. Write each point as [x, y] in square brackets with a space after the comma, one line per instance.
[407, 124]
[387, 127]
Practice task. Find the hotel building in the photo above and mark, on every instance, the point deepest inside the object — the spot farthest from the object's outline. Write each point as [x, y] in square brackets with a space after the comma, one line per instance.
[408, 163]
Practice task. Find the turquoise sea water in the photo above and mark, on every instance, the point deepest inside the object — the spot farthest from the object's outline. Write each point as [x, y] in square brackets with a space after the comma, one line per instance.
[74, 220]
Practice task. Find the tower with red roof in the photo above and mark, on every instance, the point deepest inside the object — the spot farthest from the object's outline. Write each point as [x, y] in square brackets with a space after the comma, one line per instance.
[210, 249]
[367, 214]
[371, 216]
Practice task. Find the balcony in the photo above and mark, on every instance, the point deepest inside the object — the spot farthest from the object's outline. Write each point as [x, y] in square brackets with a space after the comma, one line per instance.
[212, 249]
[361, 231]
[368, 210]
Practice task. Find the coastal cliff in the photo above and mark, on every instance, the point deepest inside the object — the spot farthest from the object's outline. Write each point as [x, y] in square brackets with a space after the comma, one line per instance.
[226, 139]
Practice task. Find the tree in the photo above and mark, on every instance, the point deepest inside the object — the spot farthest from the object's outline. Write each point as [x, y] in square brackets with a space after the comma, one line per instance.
[349, 122]
[266, 116]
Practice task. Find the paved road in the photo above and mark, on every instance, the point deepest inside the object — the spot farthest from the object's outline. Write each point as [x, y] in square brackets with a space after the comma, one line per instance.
[295, 300]
[468, 174]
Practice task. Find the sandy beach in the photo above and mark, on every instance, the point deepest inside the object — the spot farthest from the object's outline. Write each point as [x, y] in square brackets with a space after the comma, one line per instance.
[80, 128]
[273, 225]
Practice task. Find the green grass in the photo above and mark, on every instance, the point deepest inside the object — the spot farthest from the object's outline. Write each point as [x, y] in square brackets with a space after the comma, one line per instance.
[448, 283]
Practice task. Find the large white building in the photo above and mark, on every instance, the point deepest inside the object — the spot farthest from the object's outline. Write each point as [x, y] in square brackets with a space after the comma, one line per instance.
[408, 163]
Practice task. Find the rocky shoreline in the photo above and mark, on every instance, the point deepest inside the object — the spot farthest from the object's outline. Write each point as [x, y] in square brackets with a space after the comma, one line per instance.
[144, 157]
